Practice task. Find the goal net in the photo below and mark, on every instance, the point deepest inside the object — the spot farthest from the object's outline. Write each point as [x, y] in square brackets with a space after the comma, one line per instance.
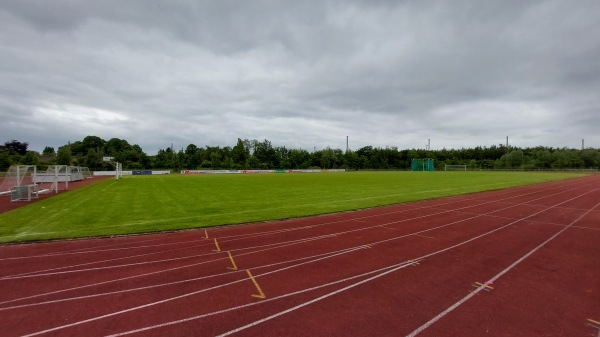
[54, 175]
[17, 175]
[455, 167]
[87, 174]
[422, 165]
[23, 193]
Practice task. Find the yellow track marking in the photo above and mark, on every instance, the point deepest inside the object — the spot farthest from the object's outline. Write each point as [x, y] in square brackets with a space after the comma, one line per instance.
[485, 286]
[217, 245]
[232, 262]
[205, 234]
[260, 295]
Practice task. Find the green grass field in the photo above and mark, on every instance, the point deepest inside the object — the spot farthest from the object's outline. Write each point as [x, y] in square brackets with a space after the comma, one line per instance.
[139, 204]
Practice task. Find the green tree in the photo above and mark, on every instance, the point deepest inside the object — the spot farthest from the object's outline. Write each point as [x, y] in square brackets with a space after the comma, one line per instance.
[92, 159]
[92, 142]
[16, 147]
[64, 156]
[192, 161]
[240, 153]
[4, 161]
[48, 150]
[31, 158]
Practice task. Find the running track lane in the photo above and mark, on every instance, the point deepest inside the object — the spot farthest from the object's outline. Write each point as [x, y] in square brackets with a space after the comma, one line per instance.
[349, 296]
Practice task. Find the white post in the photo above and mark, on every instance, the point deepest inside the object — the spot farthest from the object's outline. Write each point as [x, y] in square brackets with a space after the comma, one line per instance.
[67, 177]
[56, 179]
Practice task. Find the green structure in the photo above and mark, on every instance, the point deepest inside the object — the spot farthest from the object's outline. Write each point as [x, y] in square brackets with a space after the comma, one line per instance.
[422, 165]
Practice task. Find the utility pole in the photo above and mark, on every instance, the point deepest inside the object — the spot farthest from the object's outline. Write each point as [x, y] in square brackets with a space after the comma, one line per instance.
[582, 147]
[506, 144]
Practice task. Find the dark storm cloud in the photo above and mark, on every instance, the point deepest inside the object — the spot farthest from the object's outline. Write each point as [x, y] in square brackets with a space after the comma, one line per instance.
[301, 74]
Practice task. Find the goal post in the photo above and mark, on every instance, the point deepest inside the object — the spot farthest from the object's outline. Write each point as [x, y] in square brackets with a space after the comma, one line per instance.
[17, 175]
[455, 167]
[118, 166]
[422, 165]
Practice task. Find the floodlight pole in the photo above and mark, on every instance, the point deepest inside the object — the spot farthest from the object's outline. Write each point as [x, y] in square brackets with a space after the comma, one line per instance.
[346, 144]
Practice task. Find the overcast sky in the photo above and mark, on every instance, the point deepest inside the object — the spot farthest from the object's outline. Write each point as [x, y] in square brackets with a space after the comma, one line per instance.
[302, 74]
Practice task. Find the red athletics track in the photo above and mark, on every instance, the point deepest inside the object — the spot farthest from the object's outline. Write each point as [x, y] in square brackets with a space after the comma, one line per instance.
[402, 270]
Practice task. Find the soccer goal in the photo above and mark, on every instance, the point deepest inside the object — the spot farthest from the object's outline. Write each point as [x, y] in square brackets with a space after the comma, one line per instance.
[17, 175]
[422, 165]
[87, 174]
[455, 168]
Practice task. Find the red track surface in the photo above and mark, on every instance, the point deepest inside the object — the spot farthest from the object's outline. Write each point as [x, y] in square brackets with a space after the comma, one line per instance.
[401, 270]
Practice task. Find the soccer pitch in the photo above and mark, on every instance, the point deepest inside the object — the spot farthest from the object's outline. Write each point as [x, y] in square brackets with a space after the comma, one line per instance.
[141, 204]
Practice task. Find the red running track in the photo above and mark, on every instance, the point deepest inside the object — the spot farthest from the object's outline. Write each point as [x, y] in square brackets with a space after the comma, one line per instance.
[516, 262]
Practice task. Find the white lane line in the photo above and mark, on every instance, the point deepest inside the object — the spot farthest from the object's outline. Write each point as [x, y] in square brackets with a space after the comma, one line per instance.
[91, 263]
[95, 251]
[174, 298]
[275, 271]
[174, 269]
[417, 259]
[107, 267]
[30, 275]
[398, 266]
[493, 279]
[314, 257]
[285, 245]
[100, 261]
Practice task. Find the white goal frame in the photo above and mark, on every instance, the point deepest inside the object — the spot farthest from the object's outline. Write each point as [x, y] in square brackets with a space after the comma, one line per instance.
[118, 166]
[16, 176]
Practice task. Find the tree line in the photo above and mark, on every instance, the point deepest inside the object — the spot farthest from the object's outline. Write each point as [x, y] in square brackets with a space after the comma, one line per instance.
[254, 154]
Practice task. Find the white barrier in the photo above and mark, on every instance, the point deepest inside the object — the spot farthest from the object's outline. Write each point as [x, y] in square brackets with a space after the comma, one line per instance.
[110, 173]
[257, 171]
[129, 173]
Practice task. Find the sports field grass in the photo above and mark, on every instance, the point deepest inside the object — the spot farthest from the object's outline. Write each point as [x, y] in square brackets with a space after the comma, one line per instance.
[139, 204]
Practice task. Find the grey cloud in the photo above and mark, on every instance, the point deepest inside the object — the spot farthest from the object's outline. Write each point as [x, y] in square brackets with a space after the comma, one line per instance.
[303, 74]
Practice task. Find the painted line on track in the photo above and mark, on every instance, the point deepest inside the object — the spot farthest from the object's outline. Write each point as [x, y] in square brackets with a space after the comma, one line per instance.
[188, 319]
[364, 281]
[493, 279]
[470, 240]
[94, 251]
[422, 257]
[151, 286]
[301, 241]
[164, 300]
